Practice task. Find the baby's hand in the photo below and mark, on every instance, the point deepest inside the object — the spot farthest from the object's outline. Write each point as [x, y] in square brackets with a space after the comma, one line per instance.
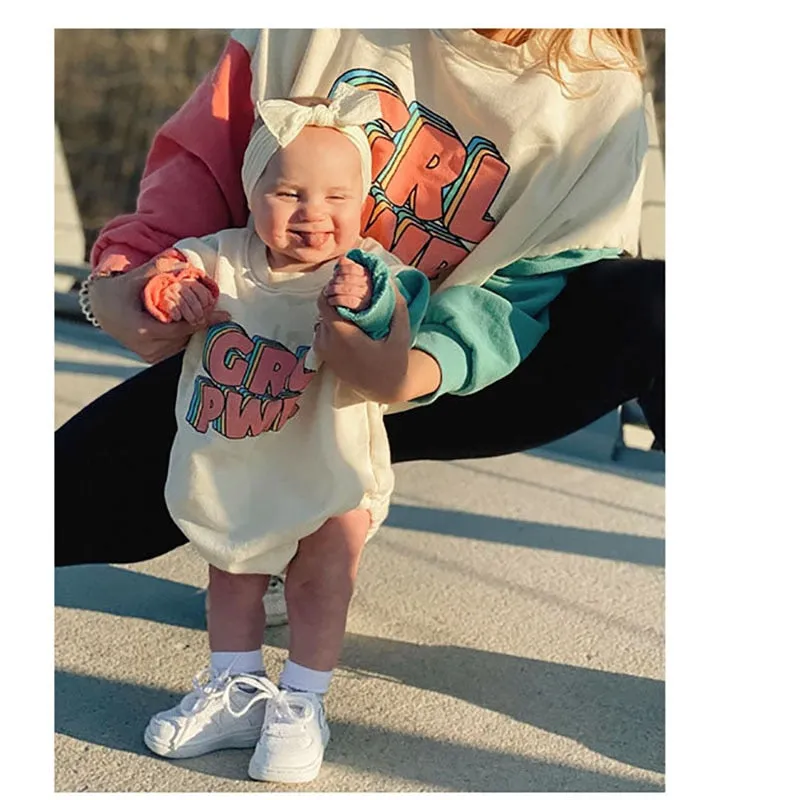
[186, 294]
[350, 286]
[188, 299]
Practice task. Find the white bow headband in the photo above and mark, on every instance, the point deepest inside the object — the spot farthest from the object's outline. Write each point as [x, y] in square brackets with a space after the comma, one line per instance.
[283, 120]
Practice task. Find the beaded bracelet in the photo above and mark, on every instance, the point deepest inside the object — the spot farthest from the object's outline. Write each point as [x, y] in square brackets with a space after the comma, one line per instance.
[83, 295]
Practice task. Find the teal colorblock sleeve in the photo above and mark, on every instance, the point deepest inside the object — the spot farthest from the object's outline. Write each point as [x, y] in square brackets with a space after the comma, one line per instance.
[376, 318]
[479, 334]
[416, 290]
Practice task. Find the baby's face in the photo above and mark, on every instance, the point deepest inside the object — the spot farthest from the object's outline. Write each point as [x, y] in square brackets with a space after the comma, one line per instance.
[307, 204]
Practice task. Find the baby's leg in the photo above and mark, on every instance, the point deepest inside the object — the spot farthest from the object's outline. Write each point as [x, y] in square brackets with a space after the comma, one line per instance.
[226, 708]
[236, 611]
[319, 585]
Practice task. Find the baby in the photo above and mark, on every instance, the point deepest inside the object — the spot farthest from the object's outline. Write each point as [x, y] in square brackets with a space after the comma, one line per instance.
[278, 465]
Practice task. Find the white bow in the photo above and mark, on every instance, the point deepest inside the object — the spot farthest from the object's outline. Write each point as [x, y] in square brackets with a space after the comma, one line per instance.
[349, 106]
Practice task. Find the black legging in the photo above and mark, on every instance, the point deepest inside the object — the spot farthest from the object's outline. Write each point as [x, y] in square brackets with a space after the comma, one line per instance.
[605, 346]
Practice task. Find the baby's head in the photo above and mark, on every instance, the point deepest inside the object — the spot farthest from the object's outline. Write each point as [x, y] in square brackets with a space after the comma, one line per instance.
[306, 174]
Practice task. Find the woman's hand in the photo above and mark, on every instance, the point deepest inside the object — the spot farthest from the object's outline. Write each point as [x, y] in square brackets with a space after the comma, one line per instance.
[117, 304]
[375, 368]
[189, 300]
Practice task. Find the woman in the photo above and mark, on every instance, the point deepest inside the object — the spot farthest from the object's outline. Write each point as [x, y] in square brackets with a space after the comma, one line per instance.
[495, 146]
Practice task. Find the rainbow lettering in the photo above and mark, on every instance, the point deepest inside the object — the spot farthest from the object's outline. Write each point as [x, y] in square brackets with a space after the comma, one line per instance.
[253, 384]
[430, 198]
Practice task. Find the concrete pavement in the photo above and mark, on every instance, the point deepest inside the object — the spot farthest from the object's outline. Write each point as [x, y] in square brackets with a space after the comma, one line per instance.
[506, 635]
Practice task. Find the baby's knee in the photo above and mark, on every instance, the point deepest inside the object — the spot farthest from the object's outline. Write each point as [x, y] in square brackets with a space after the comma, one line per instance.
[327, 560]
[236, 586]
[342, 537]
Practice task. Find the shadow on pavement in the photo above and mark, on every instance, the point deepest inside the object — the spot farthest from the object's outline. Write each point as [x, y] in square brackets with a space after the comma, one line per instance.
[599, 501]
[580, 541]
[113, 714]
[125, 593]
[619, 716]
[644, 466]
[452, 766]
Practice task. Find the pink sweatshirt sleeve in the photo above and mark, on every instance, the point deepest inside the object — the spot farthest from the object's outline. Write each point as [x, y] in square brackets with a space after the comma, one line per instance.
[191, 185]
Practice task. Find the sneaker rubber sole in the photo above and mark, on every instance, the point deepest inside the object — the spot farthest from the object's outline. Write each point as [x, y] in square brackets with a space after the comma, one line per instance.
[303, 774]
[233, 741]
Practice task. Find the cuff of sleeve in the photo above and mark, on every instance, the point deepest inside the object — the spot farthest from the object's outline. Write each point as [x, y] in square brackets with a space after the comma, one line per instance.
[113, 262]
[376, 318]
[440, 344]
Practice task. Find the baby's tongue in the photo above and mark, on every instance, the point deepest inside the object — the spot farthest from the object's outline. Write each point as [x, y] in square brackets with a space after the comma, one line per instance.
[312, 239]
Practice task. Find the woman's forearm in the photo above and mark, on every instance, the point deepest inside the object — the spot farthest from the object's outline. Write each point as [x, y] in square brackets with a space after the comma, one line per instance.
[423, 377]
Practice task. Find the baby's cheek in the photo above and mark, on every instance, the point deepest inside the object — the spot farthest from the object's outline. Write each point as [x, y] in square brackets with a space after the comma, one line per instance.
[269, 230]
[348, 233]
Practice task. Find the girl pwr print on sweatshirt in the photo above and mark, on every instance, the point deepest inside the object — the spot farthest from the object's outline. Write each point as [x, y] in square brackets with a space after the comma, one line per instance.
[430, 198]
[252, 384]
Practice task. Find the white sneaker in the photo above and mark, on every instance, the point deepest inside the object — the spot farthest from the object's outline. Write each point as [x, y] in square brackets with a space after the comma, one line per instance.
[274, 602]
[217, 714]
[293, 739]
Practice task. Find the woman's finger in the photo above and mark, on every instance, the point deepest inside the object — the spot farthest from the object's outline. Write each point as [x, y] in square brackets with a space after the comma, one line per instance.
[191, 313]
[324, 310]
[191, 302]
[207, 299]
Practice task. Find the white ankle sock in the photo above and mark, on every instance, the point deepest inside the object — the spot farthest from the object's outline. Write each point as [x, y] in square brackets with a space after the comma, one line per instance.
[303, 679]
[250, 662]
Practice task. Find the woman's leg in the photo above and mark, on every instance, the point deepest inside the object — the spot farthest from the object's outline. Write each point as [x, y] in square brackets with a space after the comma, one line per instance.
[111, 463]
[605, 346]
[320, 581]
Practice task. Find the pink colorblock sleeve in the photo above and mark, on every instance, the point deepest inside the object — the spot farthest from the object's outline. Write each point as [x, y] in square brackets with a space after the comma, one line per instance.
[191, 185]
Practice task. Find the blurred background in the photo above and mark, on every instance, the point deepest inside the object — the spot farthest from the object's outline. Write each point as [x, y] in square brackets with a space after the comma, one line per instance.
[114, 88]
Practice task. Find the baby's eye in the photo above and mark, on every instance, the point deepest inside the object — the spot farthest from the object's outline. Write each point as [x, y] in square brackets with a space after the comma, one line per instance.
[336, 197]
[286, 194]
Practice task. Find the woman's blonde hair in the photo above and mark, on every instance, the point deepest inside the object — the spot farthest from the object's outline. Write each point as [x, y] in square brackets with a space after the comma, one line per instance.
[556, 44]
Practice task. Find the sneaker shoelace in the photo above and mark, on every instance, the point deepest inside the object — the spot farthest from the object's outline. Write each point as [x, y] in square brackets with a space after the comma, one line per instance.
[289, 707]
[265, 690]
[207, 687]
